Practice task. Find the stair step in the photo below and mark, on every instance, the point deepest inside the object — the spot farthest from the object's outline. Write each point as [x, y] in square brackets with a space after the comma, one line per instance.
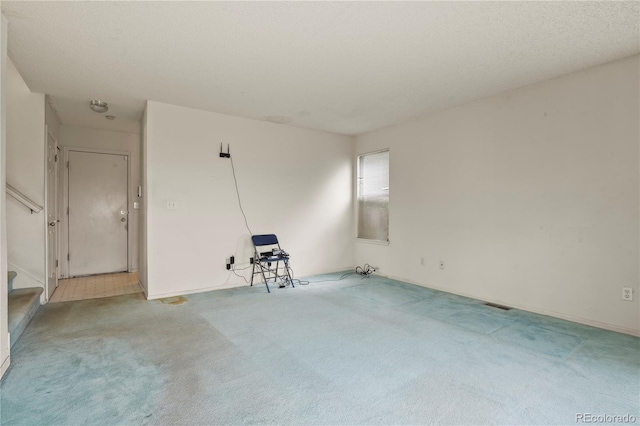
[10, 276]
[23, 304]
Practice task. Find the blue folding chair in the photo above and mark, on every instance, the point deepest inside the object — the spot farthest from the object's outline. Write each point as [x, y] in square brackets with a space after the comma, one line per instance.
[264, 260]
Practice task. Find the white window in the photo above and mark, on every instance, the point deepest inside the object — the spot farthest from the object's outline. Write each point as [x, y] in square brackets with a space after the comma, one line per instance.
[373, 196]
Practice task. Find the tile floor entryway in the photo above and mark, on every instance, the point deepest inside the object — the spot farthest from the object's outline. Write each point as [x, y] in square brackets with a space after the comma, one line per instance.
[95, 286]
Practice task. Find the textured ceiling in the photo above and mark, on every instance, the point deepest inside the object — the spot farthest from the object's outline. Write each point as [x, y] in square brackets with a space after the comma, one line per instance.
[342, 67]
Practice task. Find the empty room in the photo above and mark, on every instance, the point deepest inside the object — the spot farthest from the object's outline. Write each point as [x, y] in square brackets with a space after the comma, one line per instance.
[323, 213]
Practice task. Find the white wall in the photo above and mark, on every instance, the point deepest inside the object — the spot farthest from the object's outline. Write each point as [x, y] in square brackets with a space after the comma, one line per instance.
[295, 183]
[81, 137]
[25, 172]
[531, 198]
[4, 323]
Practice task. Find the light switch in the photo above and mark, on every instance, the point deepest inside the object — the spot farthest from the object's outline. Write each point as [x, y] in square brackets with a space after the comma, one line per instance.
[172, 205]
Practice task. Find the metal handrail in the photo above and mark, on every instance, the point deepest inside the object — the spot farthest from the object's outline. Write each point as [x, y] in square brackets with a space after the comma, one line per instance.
[26, 201]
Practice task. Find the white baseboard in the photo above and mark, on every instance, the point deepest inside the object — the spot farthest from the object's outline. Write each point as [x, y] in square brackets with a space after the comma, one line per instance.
[533, 309]
[327, 271]
[5, 366]
[193, 291]
[234, 285]
[144, 290]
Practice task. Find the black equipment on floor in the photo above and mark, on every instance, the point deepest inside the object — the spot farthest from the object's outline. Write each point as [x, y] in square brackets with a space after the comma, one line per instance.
[263, 261]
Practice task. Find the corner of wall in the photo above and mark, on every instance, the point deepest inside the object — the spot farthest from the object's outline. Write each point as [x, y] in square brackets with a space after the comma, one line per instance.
[142, 198]
[4, 299]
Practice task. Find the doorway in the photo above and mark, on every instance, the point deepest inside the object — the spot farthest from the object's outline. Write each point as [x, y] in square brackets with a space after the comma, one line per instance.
[52, 215]
[97, 212]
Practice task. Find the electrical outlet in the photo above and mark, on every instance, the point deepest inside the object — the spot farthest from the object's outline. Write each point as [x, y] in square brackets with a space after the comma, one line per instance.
[172, 205]
[422, 261]
[627, 293]
[442, 264]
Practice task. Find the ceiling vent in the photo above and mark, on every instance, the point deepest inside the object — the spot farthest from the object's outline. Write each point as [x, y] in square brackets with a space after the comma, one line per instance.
[495, 305]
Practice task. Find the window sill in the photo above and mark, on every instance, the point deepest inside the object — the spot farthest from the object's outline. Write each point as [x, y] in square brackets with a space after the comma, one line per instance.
[375, 242]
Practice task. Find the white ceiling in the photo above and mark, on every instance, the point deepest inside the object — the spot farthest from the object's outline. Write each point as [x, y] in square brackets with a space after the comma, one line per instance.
[342, 67]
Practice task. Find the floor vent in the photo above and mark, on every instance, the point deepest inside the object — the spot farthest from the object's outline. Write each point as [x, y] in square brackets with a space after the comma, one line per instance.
[495, 305]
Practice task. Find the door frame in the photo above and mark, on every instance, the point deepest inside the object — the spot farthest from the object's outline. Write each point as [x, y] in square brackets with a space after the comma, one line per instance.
[48, 134]
[65, 203]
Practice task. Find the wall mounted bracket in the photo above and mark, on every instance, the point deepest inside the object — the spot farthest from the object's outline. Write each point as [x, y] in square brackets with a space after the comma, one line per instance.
[225, 154]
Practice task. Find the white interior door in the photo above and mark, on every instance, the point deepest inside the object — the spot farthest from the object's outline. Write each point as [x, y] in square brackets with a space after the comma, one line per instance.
[98, 217]
[52, 215]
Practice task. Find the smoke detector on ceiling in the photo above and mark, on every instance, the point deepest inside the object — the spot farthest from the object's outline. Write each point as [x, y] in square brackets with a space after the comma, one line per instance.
[98, 106]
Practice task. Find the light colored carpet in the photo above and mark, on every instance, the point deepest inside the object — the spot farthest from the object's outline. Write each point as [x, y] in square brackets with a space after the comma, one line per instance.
[358, 351]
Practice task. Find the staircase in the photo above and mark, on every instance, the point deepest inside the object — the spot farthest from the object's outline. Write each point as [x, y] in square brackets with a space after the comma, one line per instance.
[23, 304]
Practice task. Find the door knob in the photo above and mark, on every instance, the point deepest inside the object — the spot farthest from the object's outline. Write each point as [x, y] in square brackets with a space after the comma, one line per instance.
[52, 224]
[123, 219]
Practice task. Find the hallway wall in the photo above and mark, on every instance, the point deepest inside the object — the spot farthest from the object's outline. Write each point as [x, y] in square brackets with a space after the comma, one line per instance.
[25, 172]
